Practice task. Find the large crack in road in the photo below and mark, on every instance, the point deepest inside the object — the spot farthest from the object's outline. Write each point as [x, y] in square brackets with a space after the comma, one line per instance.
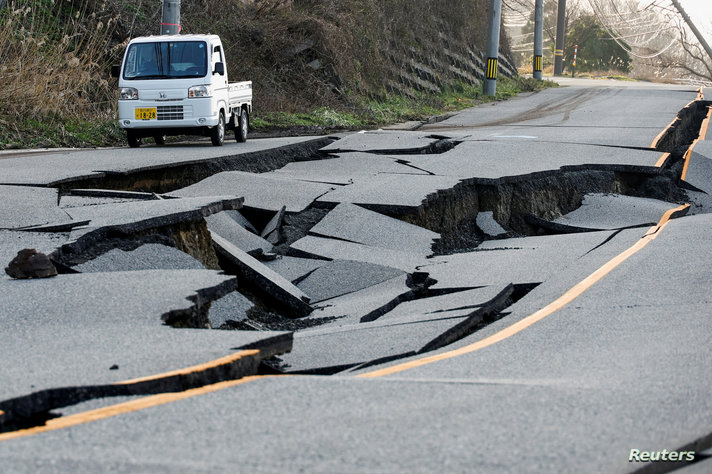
[353, 243]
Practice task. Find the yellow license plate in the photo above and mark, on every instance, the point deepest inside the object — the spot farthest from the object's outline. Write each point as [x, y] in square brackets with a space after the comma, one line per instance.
[146, 113]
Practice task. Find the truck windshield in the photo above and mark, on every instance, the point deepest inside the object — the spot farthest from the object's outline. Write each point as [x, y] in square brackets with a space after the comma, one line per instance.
[162, 60]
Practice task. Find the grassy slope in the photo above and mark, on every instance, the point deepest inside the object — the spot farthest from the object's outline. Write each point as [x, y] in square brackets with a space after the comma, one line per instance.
[56, 57]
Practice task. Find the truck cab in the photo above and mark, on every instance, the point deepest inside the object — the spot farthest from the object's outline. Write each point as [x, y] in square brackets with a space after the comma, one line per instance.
[178, 84]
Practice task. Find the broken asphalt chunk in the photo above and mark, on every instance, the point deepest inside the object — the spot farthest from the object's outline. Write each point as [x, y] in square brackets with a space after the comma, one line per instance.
[342, 250]
[615, 211]
[145, 257]
[341, 277]
[227, 227]
[271, 230]
[274, 287]
[356, 224]
[488, 225]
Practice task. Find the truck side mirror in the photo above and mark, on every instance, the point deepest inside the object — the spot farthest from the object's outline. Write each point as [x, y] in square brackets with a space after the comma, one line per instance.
[219, 69]
[115, 70]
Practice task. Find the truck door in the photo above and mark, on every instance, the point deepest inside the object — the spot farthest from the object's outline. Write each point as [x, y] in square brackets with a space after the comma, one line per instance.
[218, 81]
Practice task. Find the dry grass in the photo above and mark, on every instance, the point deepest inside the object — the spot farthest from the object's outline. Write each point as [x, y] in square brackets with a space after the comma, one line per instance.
[53, 56]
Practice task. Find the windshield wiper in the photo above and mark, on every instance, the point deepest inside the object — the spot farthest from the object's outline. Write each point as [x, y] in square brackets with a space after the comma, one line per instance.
[152, 76]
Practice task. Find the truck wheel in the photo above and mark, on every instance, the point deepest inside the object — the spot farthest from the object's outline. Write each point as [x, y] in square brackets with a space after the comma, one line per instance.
[242, 124]
[133, 139]
[217, 134]
[160, 139]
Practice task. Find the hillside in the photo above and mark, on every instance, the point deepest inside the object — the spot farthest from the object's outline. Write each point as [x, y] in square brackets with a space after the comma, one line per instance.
[315, 63]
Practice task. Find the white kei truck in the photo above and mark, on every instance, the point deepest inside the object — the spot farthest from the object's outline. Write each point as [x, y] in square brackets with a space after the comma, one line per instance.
[177, 85]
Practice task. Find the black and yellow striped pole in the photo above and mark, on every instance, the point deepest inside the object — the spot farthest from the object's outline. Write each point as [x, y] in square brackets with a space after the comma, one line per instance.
[538, 40]
[495, 16]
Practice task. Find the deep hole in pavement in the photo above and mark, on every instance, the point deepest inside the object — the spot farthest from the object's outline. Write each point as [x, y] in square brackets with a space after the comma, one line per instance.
[451, 212]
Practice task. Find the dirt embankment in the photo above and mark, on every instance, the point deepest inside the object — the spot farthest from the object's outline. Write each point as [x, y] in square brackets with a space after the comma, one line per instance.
[299, 53]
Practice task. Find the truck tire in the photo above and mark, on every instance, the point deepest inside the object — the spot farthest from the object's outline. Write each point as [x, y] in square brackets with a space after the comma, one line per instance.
[217, 134]
[133, 139]
[243, 122]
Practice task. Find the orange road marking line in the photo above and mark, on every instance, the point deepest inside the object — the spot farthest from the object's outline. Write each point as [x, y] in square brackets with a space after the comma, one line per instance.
[705, 124]
[663, 159]
[196, 368]
[126, 407]
[537, 316]
[686, 159]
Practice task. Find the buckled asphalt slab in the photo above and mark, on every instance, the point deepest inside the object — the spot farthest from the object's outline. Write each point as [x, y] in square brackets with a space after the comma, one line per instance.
[615, 211]
[145, 257]
[518, 260]
[225, 226]
[352, 307]
[340, 277]
[345, 168]
[384, 141]
[496, 160]
[294, 268]
[356, 224]
[28, 206]
[57, 167]
[261, 191]
[342, 250]
[389, 337]
[263, 279]
[113, 335]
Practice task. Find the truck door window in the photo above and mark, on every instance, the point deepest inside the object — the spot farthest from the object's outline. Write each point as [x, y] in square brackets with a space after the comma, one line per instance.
[217, 56]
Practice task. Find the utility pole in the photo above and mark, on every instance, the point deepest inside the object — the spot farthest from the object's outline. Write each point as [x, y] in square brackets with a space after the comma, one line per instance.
[694, 29]
[560, 37]
[538, 39]
[170, 17]
[495, 15]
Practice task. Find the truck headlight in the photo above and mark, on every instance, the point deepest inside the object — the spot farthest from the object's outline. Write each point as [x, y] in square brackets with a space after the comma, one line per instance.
[199, 91]
[128, 93]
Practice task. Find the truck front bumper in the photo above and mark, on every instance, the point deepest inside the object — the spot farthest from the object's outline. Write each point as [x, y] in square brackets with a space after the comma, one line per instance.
[177, 114]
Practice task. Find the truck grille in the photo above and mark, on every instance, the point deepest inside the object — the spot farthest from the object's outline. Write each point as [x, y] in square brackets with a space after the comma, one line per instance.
[170, 112]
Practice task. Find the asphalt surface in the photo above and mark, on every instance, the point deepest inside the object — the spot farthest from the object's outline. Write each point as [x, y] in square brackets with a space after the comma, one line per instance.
[561, 351]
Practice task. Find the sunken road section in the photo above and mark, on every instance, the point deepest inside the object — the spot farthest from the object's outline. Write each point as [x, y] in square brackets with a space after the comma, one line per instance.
[372, 238]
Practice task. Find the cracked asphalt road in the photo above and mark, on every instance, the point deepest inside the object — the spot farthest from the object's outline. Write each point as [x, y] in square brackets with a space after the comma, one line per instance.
[552, 250]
